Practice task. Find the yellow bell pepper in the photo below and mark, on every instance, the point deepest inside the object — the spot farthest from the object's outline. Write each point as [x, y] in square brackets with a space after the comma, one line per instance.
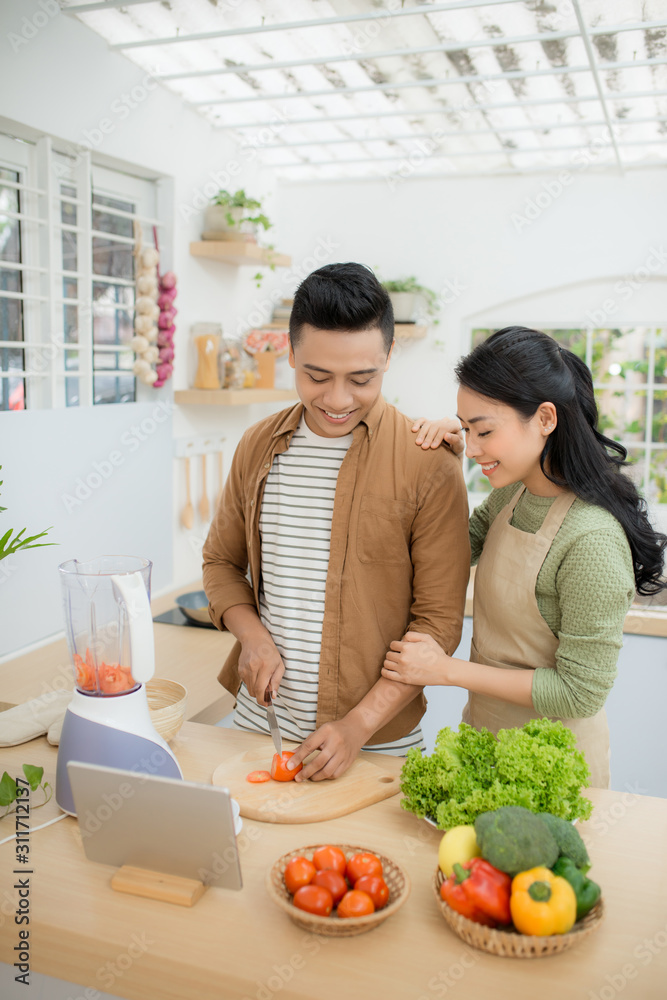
[542, 903]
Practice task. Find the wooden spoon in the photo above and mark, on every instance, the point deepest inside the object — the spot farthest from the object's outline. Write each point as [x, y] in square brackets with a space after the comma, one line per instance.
[188, 512]
[204, 508]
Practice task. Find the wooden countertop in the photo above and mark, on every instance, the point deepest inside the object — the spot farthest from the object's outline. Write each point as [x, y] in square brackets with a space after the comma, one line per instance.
[193, 656]
[239, 945]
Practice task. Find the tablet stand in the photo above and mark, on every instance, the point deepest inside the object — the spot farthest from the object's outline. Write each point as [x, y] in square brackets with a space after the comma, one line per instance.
[158, 885]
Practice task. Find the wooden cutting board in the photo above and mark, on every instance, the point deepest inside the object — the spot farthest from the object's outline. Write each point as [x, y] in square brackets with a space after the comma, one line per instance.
[303, 801]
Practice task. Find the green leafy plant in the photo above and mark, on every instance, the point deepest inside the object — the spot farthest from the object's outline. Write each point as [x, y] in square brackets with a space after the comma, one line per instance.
[9, 545]
[412, 287]
[239, 199]
[9, 789]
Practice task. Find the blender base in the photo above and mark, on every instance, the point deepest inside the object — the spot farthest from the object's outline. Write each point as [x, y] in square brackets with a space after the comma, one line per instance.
[95, 743]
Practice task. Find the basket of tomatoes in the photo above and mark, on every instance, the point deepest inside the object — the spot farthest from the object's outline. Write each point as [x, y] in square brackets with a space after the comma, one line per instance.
[337, 890]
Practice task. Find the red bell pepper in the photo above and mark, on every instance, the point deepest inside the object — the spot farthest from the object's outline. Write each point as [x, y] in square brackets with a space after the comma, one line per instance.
[480, 892]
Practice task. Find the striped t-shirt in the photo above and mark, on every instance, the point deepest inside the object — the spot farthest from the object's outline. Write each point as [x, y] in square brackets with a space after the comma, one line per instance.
[295, 531]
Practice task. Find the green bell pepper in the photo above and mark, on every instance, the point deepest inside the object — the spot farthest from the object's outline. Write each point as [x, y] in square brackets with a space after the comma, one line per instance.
[586, 890]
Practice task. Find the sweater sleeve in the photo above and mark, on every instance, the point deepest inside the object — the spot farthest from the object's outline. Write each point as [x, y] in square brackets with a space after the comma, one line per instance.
[478, 525]
[595, 586]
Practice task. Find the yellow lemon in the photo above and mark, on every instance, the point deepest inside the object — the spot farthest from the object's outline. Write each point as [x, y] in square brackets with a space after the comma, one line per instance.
[458, 845]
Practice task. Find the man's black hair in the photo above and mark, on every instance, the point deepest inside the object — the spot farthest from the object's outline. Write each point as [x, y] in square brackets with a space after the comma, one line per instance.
[342, 297]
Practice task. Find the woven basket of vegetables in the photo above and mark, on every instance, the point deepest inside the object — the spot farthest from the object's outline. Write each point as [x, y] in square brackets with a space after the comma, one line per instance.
[508, 942]
[516, 883]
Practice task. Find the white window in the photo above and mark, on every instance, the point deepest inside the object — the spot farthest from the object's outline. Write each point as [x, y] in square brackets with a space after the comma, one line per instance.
[67, 276]
[629, 367]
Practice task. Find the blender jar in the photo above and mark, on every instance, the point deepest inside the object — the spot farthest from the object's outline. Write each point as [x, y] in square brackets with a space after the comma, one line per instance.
[99, 621]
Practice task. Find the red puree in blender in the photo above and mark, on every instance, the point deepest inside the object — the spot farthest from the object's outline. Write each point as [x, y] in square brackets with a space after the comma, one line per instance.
[112, 677]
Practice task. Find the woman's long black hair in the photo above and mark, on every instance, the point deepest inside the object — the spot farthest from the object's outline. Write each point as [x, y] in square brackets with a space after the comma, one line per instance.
[525, 368]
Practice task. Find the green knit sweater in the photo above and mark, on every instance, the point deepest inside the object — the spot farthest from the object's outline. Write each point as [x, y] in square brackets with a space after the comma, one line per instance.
[583, 590]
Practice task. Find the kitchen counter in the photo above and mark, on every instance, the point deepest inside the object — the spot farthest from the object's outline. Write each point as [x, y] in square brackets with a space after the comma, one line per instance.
[239, 945]
[193, 656]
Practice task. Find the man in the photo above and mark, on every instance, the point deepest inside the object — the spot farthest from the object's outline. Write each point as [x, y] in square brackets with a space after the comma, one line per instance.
[352, 536]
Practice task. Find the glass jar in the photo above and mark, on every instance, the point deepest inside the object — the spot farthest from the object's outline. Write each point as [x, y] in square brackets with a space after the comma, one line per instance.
[230, 365]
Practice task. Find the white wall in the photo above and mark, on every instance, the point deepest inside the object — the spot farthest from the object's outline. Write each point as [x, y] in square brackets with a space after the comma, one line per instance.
[464, 239]
[63, 82]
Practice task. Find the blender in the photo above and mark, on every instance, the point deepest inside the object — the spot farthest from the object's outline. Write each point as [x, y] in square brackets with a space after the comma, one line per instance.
[110, 639]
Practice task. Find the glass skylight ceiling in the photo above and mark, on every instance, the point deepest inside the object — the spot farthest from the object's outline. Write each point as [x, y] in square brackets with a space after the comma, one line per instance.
[329, 89]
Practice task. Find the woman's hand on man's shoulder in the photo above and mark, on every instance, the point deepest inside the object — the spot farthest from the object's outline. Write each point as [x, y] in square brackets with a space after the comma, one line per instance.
[432, 433]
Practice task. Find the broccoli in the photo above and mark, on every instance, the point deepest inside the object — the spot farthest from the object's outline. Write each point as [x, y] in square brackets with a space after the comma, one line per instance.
[568, 839]
[515, 839]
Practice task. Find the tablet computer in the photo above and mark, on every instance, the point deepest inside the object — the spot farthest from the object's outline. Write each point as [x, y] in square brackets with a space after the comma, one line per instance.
[149, 821]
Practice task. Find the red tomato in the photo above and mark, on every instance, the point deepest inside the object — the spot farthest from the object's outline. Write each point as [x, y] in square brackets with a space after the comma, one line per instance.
[333, 881]
[256, 777]
[329, 857]
[314, 899]
[355, 904]
[299, 872]
[279, 770]
[363, 864]
[376, 888]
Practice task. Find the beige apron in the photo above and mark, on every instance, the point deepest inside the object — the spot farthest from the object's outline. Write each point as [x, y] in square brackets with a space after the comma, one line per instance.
[509, 632]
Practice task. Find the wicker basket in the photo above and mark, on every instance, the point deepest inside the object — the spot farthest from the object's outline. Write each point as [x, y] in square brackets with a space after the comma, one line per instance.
[333, 926]
[166, 704]
[509, 943]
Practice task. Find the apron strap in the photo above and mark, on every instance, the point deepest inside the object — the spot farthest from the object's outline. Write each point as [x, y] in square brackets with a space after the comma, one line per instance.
[509, 508]
[556, 515]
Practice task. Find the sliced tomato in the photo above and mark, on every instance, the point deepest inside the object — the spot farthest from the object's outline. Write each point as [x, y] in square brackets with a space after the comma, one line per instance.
[256, 777]
[114, 678]
[85, 672]
[279, 769]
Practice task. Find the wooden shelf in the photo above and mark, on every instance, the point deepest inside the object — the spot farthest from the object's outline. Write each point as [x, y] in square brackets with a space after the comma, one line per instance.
[236, 252]
[232, 397]
[409, 331]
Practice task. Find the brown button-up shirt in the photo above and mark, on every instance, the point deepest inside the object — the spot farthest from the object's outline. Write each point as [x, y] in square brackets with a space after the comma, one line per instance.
[399, 556]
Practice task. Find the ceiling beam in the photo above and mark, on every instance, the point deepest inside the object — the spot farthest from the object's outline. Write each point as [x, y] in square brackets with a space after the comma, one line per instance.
[318, 22]
[396, 53]
[452, 109]
[452, 46]
[260, 29]
[598, 83]
[447, 81]
[501, 151]
[87, 8]
[462, 134]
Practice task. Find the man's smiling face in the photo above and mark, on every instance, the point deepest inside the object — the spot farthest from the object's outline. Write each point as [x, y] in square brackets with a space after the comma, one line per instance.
[338, 376]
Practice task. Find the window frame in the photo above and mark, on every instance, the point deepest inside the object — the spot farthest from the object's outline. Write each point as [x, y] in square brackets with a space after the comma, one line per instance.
[43, 170]
[647, 446]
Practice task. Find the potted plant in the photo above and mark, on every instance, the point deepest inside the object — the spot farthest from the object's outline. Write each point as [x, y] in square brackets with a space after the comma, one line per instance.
[9, 545]
[404, 294]
[234, 217]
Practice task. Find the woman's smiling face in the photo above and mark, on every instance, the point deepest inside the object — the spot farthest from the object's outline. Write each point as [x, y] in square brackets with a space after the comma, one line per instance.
[504, 444]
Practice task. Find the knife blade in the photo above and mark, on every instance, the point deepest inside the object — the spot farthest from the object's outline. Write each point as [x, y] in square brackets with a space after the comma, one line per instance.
[273, 725]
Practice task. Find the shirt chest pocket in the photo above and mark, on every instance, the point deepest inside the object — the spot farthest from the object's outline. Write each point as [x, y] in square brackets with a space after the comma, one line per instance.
[384, 529]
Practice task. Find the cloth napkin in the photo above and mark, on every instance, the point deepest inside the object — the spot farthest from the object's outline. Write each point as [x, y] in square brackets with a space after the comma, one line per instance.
[35, 718]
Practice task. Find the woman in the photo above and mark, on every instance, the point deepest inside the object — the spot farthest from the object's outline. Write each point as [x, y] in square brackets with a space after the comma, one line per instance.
[560, 544]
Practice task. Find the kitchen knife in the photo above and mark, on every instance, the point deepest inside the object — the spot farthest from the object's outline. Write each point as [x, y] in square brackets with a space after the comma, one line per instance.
[273, 725]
